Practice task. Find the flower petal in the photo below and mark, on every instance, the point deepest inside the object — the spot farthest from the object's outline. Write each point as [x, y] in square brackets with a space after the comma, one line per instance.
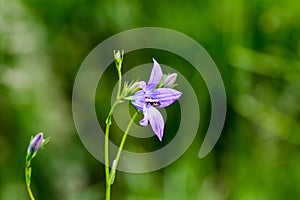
[139, 99]
[138, 104]
[142, 84]
[144, 121]
[156, 122]
[139, 95]
[35, 143]
[166, 96]
[156, 75]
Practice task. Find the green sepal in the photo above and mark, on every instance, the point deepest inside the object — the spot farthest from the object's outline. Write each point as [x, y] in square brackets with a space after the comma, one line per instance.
[45, 142]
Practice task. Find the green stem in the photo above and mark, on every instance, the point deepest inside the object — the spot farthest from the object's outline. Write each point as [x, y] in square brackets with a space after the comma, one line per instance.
[108, 123]
[30, 193]
[121, 146]
[27, 178]
[119, 84]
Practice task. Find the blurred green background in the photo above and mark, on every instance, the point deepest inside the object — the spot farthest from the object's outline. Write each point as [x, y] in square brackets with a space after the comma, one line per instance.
[256, 46]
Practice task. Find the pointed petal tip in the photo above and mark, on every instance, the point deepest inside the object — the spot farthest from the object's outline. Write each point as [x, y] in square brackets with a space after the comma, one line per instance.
[156, 74]
[157, 67]
[160, 138]
[159, 135]
[40, 134]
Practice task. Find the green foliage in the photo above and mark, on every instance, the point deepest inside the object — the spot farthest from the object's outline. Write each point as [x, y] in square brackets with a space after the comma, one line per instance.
[256, 46]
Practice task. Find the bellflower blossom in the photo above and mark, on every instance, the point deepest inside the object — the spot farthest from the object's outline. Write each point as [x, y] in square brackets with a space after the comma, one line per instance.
[155, 94]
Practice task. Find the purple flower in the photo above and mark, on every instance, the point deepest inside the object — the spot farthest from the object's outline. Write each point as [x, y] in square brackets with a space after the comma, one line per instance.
[151, 97]
[35, 144]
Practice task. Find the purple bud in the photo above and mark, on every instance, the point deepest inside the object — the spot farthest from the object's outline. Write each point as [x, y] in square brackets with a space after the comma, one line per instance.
[169, 80]
[35, 143]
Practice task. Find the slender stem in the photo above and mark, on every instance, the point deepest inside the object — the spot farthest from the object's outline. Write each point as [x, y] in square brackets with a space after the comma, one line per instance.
[107, 194]
[27, 178]
[119, 84]
[108, 123]
[107, 162]
[122, 144]
[30, 193]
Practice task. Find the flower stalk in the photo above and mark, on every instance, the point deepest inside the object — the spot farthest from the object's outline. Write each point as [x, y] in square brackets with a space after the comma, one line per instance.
[107, 174]
[28, 178]
[116, 161]
[118, 61]
[36, 143]
[146, 97]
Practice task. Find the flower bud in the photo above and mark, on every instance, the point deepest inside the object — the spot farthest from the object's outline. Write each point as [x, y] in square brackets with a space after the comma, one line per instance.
[118, 58]
[168, 80]
[35, 143]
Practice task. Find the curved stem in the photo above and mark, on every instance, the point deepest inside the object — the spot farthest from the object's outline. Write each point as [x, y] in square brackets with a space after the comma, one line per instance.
[122, 145]
[30, 193]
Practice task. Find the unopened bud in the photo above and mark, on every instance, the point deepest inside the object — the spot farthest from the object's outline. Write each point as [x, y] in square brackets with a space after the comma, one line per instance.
[168, 80]
[119, 58]
[35, 144]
